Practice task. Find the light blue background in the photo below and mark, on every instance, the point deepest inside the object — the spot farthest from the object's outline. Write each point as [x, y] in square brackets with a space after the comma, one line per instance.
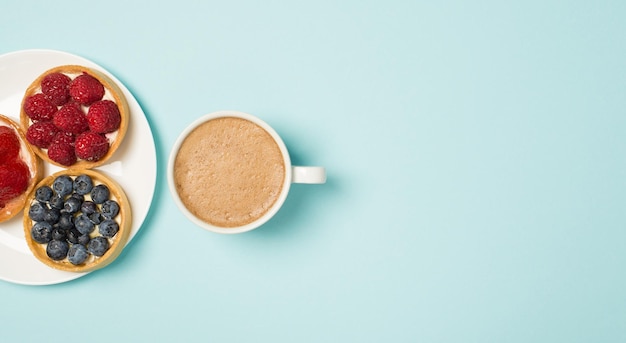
[476, 171]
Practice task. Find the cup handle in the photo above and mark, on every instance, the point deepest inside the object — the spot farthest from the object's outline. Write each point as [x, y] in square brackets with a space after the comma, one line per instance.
[311, 175]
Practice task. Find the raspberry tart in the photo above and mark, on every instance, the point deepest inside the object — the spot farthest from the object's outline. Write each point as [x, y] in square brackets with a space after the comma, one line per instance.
[77, 220]
[20, 169]
[74, 116]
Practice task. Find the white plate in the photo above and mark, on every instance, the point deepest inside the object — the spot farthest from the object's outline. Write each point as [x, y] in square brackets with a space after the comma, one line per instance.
[133, 165]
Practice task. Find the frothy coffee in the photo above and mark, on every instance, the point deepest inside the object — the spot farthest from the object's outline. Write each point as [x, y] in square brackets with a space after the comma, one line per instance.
[229, 172]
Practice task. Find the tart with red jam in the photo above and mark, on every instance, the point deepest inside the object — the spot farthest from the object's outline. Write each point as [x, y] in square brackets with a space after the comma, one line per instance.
[20, 169]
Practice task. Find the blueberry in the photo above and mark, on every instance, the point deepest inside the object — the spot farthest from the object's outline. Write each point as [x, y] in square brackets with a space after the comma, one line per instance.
[80, 197]
[43, 194]
[84, 239]
[96, 218]
[57, 250]
[66, 221]
[72, 235]
[100, 194]
[108, 228]
[63, 185]
[98, 246]
[41, 232]
[88, 207]
[83, 184]
[110, 209]
[77, 254]
[59, 234]
[57, 201]
[52, 215]
[72, 205]
[37, 211]
[83, 224]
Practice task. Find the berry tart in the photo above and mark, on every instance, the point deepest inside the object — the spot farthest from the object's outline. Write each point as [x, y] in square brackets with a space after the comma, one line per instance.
[74, 116]
[20, 169]
[77, 220]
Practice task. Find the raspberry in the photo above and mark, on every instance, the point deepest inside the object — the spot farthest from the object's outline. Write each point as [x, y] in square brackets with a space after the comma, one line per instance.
[9, 144]
[91, 146]
[62, 153]
[71, 118]
[86, 89]
[39, 108]
[56, 88]
[41, 133]
[61, 149]
[104, 116]
[14, 177]
[63, 137]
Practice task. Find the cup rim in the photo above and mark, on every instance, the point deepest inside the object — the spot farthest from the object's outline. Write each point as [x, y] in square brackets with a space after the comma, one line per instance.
[286, 182]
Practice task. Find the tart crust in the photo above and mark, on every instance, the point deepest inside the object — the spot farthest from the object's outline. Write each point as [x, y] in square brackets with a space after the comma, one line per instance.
[35, 167]
[117, 243]
[116, 95]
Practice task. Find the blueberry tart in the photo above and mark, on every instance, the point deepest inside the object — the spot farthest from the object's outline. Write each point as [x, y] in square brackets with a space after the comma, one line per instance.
[77, 220]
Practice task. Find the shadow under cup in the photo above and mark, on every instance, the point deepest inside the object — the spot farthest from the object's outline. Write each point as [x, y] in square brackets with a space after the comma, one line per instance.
[230, 172]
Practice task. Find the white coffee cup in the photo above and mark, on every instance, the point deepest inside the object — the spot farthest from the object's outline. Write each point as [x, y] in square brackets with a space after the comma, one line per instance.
[184, 145]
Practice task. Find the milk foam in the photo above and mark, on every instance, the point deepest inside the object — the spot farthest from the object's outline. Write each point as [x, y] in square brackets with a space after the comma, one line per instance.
[229, 172]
